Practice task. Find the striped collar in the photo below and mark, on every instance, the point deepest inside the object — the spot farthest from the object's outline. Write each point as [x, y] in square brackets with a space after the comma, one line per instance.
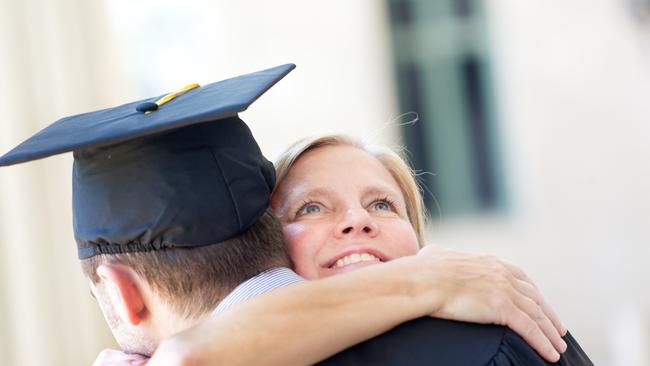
[261, 283]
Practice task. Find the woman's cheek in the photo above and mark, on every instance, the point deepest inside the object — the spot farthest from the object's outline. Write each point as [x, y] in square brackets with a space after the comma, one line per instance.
[299, 244]
[405, 239]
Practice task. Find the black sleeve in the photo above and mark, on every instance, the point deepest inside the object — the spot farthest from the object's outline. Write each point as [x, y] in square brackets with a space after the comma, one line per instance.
[515, 351]
[430, 341]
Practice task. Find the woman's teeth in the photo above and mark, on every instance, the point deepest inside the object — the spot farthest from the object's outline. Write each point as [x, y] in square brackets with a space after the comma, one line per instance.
[355, 258]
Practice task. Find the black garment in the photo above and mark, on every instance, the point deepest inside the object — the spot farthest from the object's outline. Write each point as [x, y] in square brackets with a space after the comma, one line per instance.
[430, 341]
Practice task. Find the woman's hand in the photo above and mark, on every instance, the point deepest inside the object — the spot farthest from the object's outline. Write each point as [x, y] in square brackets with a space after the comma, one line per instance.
[111, 357]
[486, 289]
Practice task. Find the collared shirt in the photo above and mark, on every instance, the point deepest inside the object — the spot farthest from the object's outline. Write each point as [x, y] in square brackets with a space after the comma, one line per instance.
[264, 282]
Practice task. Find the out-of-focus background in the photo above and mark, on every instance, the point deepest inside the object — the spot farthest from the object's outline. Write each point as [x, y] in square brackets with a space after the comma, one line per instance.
[533, 134]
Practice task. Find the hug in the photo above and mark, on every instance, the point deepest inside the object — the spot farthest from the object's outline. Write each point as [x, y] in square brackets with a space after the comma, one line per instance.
[200, 251]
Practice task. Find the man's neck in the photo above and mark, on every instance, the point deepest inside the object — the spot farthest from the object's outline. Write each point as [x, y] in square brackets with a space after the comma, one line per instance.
[167, 324]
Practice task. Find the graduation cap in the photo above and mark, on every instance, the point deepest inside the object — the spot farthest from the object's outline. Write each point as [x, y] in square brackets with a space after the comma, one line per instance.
[176, 171]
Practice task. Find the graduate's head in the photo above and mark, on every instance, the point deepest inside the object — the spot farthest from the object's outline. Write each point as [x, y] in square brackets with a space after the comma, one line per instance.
[344, 204]
[170, 199]
[147, 296]
[168, 224]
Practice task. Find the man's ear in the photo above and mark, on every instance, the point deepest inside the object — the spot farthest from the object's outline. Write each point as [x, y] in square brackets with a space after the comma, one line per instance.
[121, 286]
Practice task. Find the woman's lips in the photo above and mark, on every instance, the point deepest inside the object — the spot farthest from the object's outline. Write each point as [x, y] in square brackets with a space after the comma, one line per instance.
[352, 266]
[355, 256]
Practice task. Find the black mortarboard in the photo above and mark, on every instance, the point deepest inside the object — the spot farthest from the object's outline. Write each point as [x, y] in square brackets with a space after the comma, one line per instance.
[152, 174]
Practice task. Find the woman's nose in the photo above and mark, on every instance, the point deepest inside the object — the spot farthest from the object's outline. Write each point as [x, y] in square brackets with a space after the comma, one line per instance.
[356, 221]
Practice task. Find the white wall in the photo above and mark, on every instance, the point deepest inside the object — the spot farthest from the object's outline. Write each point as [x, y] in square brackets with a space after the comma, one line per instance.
[343, 82]
[573, 83]
[51, 64]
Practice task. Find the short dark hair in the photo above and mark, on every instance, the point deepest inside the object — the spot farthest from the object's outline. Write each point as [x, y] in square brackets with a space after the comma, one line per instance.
[195, 280]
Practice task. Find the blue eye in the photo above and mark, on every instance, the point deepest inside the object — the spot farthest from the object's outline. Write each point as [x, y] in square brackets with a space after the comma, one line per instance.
[311, 209]
[382, 206]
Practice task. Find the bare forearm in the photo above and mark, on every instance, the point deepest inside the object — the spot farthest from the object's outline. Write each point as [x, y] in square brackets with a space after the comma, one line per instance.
[308, 322]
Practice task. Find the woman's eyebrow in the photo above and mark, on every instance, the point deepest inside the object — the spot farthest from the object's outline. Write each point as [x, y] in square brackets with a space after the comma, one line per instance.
[382, 190]
[313, 192]
[389, 192]
[300, 193]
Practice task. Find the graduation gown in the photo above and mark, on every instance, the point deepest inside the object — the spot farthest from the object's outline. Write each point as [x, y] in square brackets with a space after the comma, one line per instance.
[431, 341]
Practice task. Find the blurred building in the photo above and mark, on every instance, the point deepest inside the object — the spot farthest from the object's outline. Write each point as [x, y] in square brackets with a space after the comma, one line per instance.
[532, 135]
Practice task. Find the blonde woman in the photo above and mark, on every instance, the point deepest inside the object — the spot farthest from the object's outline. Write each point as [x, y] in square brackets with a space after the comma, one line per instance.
[353, 219]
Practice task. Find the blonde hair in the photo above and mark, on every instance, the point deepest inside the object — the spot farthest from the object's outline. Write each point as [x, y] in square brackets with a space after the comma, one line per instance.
[392, 161]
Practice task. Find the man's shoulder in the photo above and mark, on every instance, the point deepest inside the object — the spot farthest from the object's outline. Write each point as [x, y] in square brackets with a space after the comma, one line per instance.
[428, 341]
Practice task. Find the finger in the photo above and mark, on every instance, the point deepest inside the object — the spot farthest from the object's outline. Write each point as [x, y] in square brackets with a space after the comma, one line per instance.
[548, 310]
[528, 302]
[517, 272]
[532, 292]
[529, 330]
[109, 357]
[557, 323]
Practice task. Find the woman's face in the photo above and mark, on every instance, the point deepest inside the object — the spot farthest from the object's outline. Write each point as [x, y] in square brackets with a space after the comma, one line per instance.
[341, 209]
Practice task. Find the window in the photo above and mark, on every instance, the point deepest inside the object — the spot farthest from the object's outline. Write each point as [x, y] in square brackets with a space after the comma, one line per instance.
[443, 74]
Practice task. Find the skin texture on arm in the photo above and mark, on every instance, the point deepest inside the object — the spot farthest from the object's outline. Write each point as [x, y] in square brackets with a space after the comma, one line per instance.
[303, 323]
[306, 323]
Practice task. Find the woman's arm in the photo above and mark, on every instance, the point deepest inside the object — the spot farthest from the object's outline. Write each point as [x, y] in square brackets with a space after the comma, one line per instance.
[308, 322]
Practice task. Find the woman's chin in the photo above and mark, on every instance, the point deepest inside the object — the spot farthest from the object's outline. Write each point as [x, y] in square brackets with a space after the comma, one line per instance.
[350, 267]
